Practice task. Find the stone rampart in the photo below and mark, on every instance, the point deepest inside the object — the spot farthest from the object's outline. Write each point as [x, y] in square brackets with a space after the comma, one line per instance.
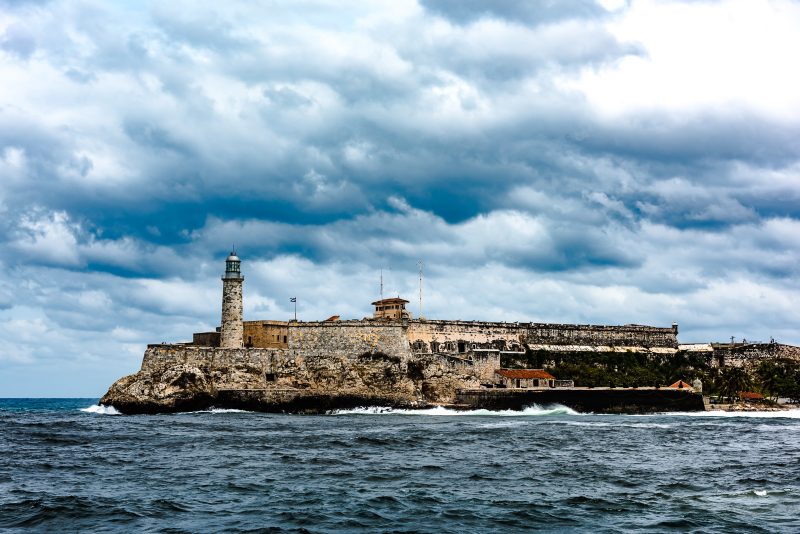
[349, 338]
[751, 354]
[462, 336]
[577, 334]
[206, 339]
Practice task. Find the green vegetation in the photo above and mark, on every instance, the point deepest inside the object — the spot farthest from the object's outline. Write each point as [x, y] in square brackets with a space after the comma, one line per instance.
[732, 381]
[779, 378]
[773, 378]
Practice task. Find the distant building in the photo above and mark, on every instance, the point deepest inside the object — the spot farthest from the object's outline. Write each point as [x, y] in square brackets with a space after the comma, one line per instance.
[751, 396]
[393, 308]
[528, 378]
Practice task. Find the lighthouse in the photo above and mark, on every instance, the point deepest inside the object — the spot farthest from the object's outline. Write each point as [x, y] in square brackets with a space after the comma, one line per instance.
[231, 333]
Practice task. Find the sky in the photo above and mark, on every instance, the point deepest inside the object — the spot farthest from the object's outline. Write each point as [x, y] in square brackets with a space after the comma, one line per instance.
[605, 162]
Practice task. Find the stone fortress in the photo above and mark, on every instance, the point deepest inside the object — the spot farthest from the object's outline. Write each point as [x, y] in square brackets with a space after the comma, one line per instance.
[387, 359]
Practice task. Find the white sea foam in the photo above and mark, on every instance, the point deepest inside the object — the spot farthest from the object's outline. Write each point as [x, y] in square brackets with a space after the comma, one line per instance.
[100, 409]
[529, 411]
[615, 424]
[779, 414]
[217, 411]
[760, 493]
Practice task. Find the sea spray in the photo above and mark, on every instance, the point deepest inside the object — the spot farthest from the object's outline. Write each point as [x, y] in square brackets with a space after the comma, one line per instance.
[530, 411]
[100, 409]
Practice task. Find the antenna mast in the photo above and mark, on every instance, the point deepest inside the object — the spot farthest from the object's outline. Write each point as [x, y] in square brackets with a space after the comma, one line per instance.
[421, 265]
[381, 283]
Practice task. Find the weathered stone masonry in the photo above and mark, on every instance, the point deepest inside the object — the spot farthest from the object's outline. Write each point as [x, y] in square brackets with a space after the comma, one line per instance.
[231, 333]
[464, 336]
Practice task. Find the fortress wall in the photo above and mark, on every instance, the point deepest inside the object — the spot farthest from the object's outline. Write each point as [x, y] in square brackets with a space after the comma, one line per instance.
[226, 368]
[627, 335]
[349, 338]
[751, 354]
[445, 336]
[485, 364]
[206, 339]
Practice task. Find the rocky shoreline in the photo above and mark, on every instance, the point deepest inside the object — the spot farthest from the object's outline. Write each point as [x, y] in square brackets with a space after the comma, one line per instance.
[742, 407]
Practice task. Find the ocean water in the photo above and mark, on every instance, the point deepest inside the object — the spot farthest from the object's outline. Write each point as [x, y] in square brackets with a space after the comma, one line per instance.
[67, 466]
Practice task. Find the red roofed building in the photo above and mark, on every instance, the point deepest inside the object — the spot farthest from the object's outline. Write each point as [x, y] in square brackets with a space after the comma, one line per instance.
[680, 384]
[525, 378]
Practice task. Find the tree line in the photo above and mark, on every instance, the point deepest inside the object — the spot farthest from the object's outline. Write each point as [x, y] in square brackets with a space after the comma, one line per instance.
[772, 378]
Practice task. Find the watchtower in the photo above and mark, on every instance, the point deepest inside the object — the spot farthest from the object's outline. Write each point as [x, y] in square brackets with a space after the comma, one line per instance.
[232, 331]
[393, 308]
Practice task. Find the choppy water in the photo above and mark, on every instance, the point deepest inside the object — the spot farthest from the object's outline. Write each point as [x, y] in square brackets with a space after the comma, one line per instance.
[67, 469]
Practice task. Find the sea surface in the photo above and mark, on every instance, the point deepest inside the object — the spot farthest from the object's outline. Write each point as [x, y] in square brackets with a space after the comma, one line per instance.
[67, 465]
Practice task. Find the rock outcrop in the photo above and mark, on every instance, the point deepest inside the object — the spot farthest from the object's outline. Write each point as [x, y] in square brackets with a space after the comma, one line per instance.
[183, 378]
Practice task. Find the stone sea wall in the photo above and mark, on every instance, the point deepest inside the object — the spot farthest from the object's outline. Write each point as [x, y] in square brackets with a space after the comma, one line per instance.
[594, 400]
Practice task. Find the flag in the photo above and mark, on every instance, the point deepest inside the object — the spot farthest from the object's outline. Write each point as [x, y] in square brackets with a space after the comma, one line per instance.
[293, 299]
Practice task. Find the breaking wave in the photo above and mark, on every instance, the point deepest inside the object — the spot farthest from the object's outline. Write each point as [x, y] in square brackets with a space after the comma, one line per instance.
[534, 410]
[100, 409]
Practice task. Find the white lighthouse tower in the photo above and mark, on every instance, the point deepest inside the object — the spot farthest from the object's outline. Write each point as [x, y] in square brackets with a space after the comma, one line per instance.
[231, 333]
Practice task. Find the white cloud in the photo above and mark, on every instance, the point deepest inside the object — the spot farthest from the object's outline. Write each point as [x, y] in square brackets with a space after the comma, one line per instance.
[49, 238]
[703, 57]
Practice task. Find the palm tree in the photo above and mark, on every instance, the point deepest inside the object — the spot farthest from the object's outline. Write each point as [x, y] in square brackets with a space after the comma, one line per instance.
[733, 381]
[770, 376]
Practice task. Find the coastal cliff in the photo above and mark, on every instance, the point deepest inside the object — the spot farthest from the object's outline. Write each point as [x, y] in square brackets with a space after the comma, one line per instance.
[177, 378]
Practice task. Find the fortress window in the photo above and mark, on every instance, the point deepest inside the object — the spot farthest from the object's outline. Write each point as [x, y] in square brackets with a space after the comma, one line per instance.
[462, 346]
[284, 339]
[269, 377]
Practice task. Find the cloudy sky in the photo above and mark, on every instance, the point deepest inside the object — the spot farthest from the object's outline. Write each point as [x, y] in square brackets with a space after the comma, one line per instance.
[593, 162]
